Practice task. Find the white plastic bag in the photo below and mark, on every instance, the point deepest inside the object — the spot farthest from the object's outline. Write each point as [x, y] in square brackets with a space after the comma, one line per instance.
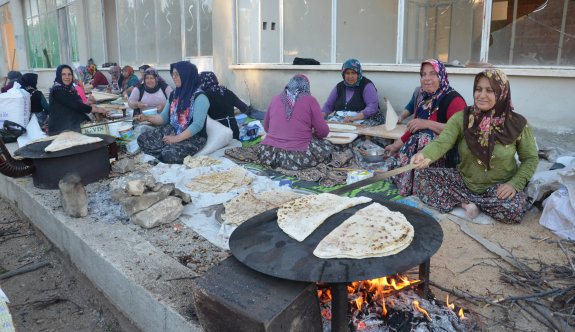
[558, 214]
[33, 132]
[218, 137]
[15, 106]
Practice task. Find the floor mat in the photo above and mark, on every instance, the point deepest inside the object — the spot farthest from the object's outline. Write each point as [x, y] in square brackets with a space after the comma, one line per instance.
[385, 190]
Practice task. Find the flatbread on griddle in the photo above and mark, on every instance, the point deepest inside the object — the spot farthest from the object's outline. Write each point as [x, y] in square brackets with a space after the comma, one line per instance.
[374, 231]
[249, 204]
[300, 217]
[70, 139]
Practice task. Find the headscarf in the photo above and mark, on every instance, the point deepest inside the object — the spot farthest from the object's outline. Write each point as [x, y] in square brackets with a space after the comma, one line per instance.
[115, 71]
[210, 83]
[354, 65]
[184, 96]
[430, 101]
[29, 82]
[482, 128]
[297, 87]
[160, 84]
[92, 69]
[126, 80]
[59, 84]
[83, 74]
[13, 75]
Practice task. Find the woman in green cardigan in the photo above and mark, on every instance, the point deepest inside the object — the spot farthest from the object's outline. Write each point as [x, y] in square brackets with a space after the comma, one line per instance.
[488, 135]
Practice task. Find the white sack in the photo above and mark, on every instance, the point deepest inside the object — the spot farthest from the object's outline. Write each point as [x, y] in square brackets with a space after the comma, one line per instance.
[33, 132]
[15, 106]
[218, 137]
[558, 214]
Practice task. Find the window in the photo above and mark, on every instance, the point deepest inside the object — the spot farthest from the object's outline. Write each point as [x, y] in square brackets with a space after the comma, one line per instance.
[310, 20]
[161, 35]
[366, 30]
[534, 33]
[446, 30]
[53, 32]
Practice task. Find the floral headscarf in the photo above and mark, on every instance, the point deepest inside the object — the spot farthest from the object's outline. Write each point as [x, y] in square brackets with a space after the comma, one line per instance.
[298, 86]
[210, 83]
[115, 71]
[354, 65]
[182, 106]
[482, 128]
[430, 101]
[160, 84]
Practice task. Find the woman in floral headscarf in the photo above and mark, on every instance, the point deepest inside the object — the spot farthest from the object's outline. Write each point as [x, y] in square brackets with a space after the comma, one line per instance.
[181, 130]
[356, 95]
[487, 135]
[295, 130]
[97, 78]
[433, 103]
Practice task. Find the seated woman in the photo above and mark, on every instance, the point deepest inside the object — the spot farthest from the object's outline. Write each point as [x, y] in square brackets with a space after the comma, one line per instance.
[435, 103]
[182, 123]
[13, 76]
[128, 80]
[150, 93]
[116, 73]
[66, 110]
[357, 94]
[98, 79]
[487, 136]
[295, 130]
[222, 102]
[38, 103]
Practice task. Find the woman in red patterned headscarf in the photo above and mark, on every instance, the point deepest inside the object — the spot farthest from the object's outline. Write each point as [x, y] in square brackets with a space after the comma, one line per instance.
[488, 135]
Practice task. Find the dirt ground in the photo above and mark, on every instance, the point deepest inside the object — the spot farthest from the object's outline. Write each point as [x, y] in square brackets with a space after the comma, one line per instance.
[466, 266]
[57, 297]
[54, 297]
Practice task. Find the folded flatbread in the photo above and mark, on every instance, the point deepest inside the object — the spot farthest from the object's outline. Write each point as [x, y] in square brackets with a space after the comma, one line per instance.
[374, 231]
[300, 217]
[70, 139]
[249, 204]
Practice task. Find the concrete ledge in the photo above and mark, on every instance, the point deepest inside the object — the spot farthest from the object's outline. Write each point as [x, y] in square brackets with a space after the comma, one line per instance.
[128, 270]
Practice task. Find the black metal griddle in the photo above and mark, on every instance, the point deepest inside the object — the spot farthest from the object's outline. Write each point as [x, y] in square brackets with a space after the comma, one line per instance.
[260, 244]
[91, 161]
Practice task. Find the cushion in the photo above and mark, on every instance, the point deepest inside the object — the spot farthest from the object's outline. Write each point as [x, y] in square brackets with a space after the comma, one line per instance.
[218, 137]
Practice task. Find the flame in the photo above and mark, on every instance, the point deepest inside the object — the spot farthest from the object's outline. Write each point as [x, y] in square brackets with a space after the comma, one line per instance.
[450, 306]
[460, 314]
[358, 302]
[423, 311]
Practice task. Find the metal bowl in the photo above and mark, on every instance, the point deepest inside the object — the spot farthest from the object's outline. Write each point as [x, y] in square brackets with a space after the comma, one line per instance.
[373, 155]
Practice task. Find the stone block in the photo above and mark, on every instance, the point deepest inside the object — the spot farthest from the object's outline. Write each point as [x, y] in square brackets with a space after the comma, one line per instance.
[73, 195]
[163, 212]
[135, 187]
[134, 204]
[233, 297]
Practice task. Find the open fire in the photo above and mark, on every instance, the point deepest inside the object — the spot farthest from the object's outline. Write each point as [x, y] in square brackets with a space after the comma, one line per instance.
[392, 303]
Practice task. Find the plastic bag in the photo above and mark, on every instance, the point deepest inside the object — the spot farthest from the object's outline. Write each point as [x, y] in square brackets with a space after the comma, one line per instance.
[558, 214]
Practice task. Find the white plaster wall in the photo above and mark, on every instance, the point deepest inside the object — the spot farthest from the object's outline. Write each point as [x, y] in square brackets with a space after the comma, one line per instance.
[541, 95]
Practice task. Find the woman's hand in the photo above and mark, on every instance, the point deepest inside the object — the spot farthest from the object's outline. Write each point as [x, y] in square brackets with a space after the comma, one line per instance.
[505, 191]
[416, 125]
[420, 161]
[141, 118]
[98, 110]
[349, 119]
[171, 139]
[91, 100]
[393, 148]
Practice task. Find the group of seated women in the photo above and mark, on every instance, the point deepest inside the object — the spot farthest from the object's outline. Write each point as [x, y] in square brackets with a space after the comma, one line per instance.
[485, 136]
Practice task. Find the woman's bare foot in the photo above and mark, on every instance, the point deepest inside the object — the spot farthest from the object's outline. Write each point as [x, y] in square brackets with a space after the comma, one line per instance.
[471, 210]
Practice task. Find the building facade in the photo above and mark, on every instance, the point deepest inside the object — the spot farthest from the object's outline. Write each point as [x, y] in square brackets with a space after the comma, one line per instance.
[251, 44]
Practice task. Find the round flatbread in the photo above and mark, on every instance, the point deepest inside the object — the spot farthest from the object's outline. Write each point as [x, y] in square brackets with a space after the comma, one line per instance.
[300, 217]
[374, 231]
[249, 204]
[220, 181]
[69, 139]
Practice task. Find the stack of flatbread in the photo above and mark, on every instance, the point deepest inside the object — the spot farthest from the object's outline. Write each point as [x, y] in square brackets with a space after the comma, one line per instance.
[220, 181]
[249, 204]
[300, 217]
[200, 161]
[68, 140]
[374, 231]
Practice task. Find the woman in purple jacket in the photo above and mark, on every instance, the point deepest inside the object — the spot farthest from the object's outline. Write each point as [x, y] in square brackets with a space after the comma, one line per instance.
[295, 130]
